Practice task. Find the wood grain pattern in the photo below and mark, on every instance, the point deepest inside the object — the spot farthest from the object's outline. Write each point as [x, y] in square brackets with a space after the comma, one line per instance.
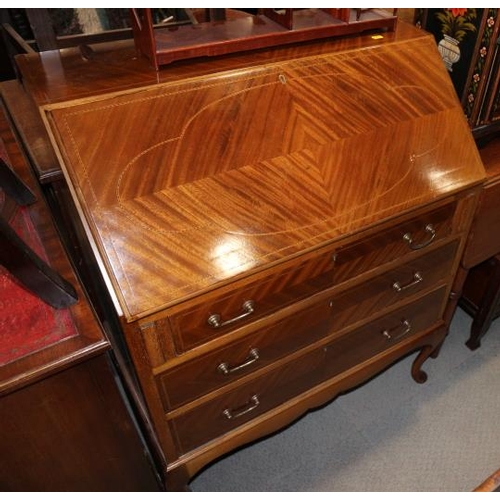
[384, 333]
[480, 291]
[61, 76]
[288, 174]
[329, 315]
[484, 239]
[71, 431]
[201, 375]
[204, 422]
[29, 126]
[491, 484]
[389, 245]
[255, 167]
[190, 326]
[360, 303]
[243, 33]
[269, 293]
[207, 421]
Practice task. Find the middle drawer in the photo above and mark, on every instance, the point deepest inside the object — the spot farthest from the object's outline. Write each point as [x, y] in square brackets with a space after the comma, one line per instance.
[191, 379]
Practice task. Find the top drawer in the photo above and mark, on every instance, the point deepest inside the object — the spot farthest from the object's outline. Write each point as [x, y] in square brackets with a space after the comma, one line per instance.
[232, 306]
[383, 247]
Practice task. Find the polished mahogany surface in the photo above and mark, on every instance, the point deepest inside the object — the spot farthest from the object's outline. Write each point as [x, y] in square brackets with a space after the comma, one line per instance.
[490, 154]
[190, 184]
[71, 73]
[240, 31]
[276, 227]
[305, 370]
[332, 312]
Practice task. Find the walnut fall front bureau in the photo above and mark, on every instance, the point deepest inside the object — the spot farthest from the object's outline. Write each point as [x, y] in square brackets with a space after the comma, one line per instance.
[273, 228]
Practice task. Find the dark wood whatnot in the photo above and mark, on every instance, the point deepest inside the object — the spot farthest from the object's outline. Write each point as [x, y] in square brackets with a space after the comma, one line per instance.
[481, 298]
[237, 31]
[481, 294]
[288, 222]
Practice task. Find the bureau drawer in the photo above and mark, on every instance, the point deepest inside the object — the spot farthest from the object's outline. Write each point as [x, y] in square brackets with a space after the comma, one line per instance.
[415, 276]
[226, 309]
[219, 367]
[412, 236]
[191, 327]
[381, 334]
[205, 373]
[224, 413]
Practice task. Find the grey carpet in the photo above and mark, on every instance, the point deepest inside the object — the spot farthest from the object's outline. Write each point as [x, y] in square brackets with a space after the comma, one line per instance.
[390, 434]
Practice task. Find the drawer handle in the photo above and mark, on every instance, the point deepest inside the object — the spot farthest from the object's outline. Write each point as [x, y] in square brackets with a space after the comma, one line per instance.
[417, 246]
[407, 328]
[417, 278]
[251, 405]
[253, 356]
[214, 320]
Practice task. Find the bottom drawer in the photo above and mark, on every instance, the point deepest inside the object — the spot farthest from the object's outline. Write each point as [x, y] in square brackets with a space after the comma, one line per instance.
[383, 333]
[222, 414]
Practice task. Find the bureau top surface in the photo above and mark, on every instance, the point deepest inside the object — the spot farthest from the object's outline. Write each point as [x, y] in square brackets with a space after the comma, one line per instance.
[56, 76]
[194, 183]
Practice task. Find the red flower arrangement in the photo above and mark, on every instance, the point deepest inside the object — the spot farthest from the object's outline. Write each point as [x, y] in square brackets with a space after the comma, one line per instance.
[457, 22]
[458, 12]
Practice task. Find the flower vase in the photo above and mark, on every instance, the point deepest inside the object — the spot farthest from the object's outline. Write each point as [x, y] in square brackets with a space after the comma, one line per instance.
[449, 50]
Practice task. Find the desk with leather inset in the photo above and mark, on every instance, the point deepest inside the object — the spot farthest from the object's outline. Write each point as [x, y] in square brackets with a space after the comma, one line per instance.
[273, 230]
[65, 426]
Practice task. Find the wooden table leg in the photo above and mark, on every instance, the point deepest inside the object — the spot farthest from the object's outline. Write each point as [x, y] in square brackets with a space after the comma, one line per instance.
[488, 306]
